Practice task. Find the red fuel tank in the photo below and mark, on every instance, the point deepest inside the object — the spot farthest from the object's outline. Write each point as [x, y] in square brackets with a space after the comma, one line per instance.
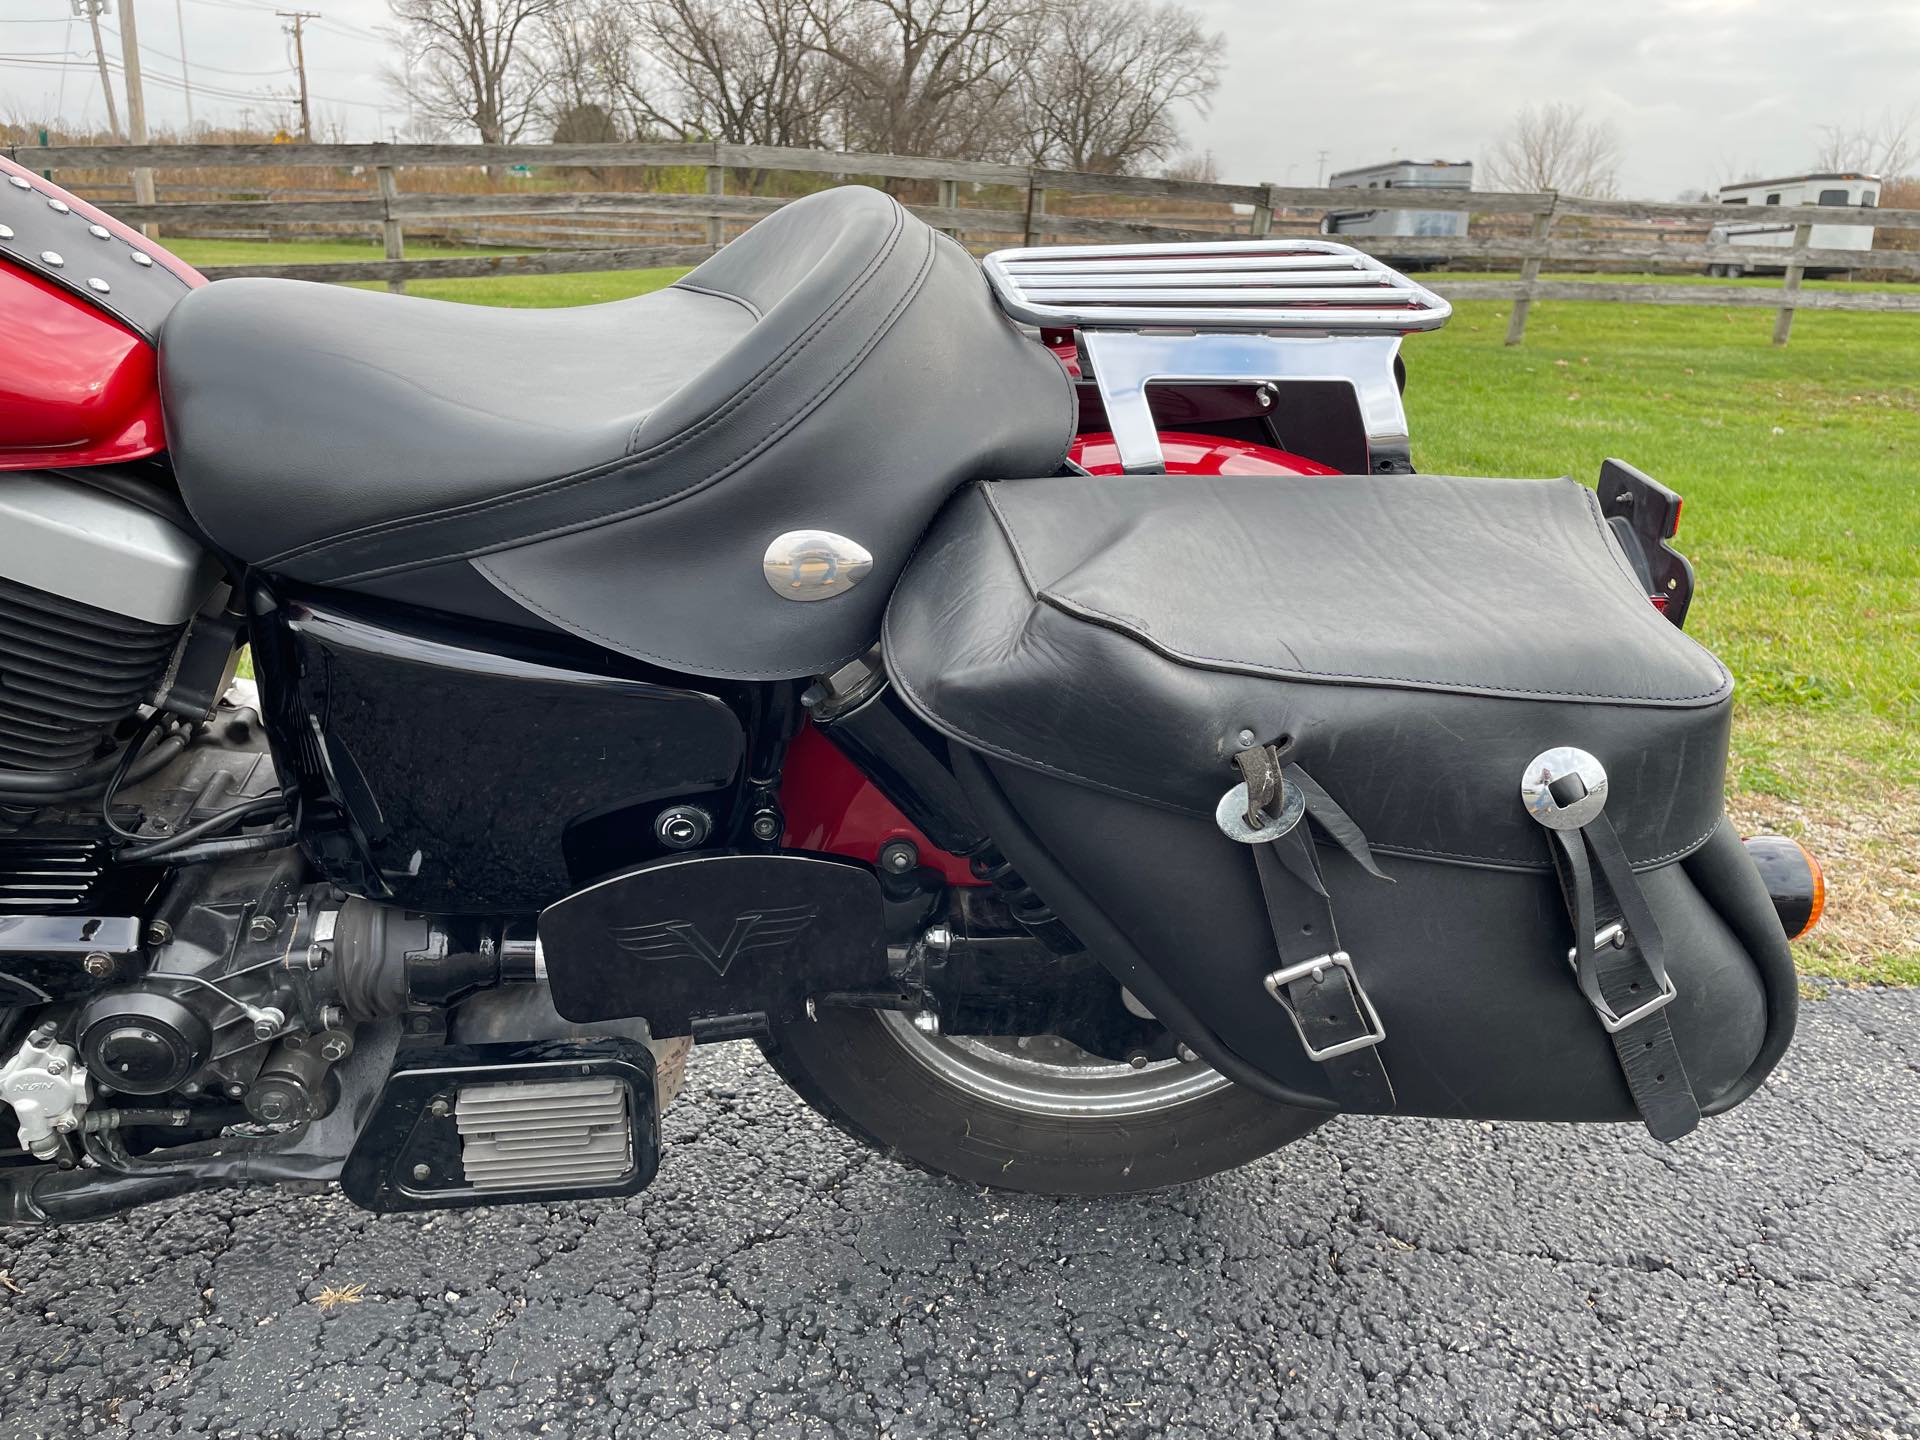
[77, 383]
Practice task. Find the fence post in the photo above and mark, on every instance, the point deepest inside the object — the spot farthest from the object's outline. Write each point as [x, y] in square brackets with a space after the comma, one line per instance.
[950, 200]
[1796, 267]
[1529, 277]
[395, 242]
[1036, 206]
[716, 185]
[1262, 223]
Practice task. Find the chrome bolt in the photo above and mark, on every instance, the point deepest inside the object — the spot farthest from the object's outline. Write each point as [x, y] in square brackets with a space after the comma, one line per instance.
[159, 933]
[98, 965]
[766, 826]
[897, 857]
[99, 232]
[439, 1109]
[1138, 1060]
[423, 1172]
[262, 927]
[99, 286]
[926, 1022]
[19, 183]
[1186, 1052]
[1247, 738]
[681, 827]
[56, 1066]
[236, 1090]
[6, 232]
[268, 1021]
[59, 207]
[335, 1049]
[53, 258]
[140, 257]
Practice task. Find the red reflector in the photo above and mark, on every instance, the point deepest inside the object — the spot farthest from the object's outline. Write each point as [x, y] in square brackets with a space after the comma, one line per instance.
[1679, 503]
[1659, 603]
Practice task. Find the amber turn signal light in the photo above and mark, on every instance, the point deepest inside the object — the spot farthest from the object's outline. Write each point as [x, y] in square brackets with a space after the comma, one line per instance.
[1794, 881]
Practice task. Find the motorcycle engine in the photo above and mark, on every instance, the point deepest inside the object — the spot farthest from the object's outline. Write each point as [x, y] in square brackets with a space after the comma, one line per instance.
[95, 592]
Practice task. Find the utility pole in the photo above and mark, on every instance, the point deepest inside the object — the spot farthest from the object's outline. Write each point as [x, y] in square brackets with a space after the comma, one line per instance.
[136, 107]
[297, 29]
[1320, 176]
[92, 10]
[186, 76]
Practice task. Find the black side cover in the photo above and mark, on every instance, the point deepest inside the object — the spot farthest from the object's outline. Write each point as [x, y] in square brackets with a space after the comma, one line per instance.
[714, 944]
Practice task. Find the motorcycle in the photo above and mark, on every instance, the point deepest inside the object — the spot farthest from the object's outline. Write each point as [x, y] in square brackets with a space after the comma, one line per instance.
[1036, 700]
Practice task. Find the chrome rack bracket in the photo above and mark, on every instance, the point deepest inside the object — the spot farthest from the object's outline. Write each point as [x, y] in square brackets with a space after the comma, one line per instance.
[1224, 312]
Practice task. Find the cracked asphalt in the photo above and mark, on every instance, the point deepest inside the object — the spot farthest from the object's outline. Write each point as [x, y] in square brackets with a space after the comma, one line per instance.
[1400, 1278]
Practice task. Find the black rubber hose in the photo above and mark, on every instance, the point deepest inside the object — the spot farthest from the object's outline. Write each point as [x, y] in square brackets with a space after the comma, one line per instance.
[221, 849]
[147, 494]
[86, 781]
[212, 825]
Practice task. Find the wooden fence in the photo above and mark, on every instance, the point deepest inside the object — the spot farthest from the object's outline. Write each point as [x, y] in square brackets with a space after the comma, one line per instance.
[1011, 202]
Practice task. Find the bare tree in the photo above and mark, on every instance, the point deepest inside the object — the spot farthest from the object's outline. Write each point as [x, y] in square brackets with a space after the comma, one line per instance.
[925, 77]
[471, 65]
[1883, 147]
[746, 71]
[1556, 147]
[1104, 87]
[1194, 165]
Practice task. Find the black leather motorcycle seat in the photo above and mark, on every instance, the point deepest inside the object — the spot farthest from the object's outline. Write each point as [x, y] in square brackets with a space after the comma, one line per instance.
[840, 366]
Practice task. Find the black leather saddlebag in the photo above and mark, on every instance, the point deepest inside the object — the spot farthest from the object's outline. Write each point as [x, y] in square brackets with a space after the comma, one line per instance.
[1460, 736]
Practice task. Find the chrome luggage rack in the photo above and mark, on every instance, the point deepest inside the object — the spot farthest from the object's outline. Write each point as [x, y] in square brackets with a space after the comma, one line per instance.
[1224, 312]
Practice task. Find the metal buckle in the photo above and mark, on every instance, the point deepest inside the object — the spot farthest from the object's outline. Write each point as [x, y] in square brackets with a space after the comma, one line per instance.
[1317, 967]
[1614, 936]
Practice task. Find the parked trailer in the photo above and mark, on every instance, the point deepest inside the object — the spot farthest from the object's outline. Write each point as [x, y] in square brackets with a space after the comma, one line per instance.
[1839, 190]
[1401, 224]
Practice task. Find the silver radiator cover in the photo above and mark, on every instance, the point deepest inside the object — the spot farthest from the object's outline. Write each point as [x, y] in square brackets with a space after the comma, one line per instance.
[545, 1134]
[67, 539]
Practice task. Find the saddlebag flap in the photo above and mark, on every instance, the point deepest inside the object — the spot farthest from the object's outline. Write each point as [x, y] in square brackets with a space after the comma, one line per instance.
[1396, 656]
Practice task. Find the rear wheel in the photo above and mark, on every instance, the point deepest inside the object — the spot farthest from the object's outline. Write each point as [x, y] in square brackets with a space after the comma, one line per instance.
[1034, 1113]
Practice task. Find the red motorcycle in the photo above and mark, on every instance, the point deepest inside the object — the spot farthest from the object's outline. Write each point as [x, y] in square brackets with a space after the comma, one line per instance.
[1043, 708]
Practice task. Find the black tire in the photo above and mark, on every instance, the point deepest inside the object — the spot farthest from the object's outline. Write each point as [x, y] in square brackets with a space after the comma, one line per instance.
[854, 1069]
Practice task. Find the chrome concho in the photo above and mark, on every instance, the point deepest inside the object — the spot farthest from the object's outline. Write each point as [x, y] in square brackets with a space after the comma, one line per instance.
[815, 564]
[1536, 787]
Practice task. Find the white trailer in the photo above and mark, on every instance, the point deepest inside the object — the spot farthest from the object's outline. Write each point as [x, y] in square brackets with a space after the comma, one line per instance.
[1388, 223]
[1841, 191]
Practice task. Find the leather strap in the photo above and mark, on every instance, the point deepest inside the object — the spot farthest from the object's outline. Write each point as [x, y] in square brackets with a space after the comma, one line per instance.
[1322, 992]
[1627, 973]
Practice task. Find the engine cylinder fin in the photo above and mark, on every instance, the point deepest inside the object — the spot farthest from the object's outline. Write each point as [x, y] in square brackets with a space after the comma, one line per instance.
[69, 673]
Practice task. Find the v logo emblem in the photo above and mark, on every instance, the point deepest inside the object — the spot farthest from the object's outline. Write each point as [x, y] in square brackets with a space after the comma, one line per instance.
[681, 939]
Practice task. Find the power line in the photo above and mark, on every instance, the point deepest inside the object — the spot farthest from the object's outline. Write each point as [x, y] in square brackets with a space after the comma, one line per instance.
[152, 77]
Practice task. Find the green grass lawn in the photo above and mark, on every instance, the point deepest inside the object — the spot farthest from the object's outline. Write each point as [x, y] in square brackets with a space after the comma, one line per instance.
[532, 292]
[1801, 471]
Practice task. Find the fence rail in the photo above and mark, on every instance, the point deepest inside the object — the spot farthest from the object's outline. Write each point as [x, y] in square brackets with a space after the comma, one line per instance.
[1527, 228]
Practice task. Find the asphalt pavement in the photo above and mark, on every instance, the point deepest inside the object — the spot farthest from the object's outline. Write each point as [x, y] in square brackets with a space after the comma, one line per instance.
[1381, 1278]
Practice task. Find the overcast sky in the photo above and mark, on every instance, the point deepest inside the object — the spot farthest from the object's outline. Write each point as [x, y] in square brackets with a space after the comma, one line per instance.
[1701, 91]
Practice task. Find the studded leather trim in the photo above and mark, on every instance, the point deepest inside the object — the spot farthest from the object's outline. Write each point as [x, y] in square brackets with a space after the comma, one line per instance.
[66, 241]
